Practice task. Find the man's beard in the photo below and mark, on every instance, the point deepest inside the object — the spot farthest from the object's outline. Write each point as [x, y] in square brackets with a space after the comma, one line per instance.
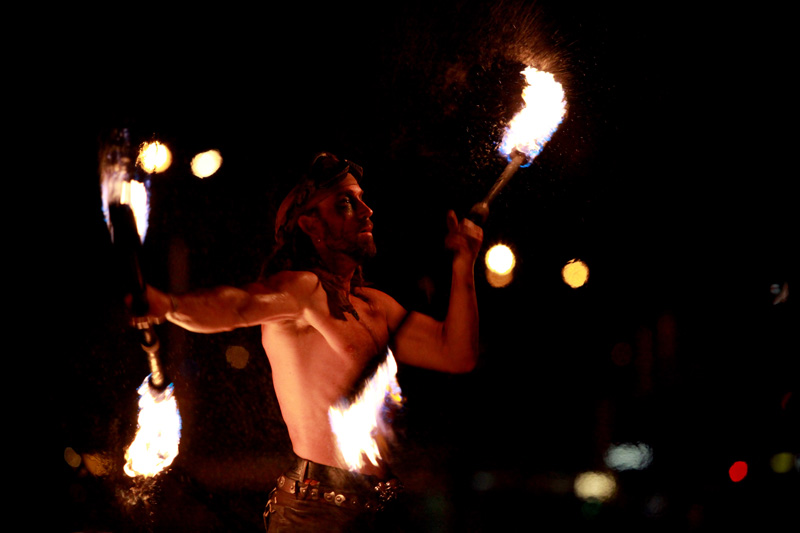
[364, 248]
[360, 248]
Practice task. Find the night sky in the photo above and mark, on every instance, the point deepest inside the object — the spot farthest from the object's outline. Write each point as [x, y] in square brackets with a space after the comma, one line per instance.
[669, 178]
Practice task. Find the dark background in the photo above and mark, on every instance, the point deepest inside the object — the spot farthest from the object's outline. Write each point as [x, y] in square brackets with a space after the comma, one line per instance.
[669, 177]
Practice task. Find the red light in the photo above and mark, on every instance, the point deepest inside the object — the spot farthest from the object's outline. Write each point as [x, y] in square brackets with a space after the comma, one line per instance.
[738, 471]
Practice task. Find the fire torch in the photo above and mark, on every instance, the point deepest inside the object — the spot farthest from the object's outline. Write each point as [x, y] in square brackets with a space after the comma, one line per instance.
[527, 133]
[117, 178]
[125, 206]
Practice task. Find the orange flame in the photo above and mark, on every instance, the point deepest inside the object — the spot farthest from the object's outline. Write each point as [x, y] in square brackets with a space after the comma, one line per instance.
[544, 110]
[156, 443]
[118, 184]
[360, 426]
[134, 194]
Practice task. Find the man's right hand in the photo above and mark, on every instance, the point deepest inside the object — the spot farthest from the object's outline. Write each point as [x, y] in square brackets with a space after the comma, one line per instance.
[159, 304]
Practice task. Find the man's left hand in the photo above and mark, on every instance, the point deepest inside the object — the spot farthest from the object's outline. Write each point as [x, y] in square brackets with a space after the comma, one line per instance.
[464, 238]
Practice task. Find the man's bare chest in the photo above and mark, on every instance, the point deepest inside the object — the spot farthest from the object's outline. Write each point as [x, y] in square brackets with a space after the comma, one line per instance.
[356, 336]
[363, 334]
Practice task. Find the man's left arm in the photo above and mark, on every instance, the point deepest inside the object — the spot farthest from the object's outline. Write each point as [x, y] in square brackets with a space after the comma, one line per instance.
[450, 345]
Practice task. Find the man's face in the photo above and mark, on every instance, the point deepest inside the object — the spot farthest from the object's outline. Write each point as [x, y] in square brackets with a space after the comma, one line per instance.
[345, 218]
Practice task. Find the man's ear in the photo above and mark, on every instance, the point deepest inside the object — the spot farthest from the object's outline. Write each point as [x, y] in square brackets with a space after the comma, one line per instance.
[310, 226]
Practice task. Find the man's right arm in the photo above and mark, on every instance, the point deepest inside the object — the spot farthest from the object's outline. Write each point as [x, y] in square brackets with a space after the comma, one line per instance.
[226, 308]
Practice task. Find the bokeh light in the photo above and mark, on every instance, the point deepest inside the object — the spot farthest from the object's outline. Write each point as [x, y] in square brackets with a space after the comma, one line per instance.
[628, 456]
[500, 259]
[575, 273]
[599, 486]
[154, 157]
[738, 471]
[782, 463]
[237, 356]
[500, 263]
[98, 464]
[72, 457]
[206, 164]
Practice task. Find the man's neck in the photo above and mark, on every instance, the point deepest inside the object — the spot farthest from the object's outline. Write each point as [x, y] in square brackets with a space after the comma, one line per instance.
[337, 286]
[338, 269]
[339, 281]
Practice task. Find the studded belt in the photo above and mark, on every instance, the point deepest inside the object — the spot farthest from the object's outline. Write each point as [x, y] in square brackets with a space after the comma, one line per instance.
[352, 492]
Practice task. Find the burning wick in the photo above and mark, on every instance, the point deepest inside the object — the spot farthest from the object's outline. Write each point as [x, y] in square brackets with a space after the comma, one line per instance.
[360, 426]
[156, 443]
[528, 131]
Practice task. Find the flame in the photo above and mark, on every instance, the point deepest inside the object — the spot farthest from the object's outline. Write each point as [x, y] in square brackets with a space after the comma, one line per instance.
[544, 110]
[118, 188]
[156, 443]
[116, 168]
[118, 182]
[134, 194]
[360, 426]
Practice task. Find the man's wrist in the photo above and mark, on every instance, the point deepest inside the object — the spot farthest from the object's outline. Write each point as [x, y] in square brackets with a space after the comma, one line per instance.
[464, 260]
[464, 270]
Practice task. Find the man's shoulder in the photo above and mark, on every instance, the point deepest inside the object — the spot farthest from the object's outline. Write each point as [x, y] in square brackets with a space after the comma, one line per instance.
[372, 292]
[291, 281]
[382, 299]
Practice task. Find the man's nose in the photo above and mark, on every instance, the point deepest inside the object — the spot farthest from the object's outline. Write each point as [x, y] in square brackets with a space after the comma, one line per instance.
[363, 210]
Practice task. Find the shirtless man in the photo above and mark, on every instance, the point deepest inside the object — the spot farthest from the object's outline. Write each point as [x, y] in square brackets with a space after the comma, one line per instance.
[321, 329]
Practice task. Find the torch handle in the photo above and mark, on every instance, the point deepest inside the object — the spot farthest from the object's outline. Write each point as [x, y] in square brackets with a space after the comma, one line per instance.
[128, 245]
[152, 346]
[480, 211]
